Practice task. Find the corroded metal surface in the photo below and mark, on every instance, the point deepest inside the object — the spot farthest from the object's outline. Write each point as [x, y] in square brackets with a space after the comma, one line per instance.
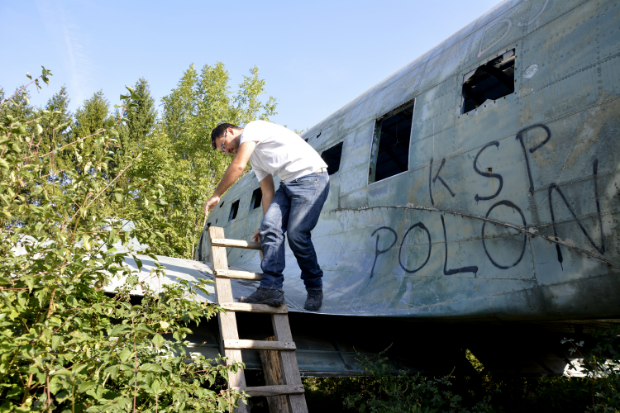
[509, 211]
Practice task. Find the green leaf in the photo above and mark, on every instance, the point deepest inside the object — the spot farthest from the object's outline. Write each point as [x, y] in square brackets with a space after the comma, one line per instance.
[72, 301]
[158, 340]
[56, 340]
[113, 370]
[29, 282]
[85, 386]
[86, 239]
[143, 328]
[119, 330]
[151, 367]
[125, 354]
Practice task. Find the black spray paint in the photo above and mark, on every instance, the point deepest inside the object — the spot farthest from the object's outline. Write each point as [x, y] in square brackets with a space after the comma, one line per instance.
[513, 206]
[532, 150]
[377, 250]
[472, 268]
[488, 174]
[400, 250]
[555, 187]
[432, 181]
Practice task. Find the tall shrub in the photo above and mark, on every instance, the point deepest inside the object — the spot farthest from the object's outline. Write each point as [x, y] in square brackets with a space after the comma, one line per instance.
[64, 344]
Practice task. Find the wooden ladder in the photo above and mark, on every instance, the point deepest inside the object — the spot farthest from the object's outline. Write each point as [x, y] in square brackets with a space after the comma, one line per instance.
[292, 389]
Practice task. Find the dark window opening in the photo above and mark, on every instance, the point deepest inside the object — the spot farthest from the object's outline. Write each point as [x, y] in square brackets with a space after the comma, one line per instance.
[331, 157]
[257, 197]
[390, 148]
[491, 81]
[233, 210]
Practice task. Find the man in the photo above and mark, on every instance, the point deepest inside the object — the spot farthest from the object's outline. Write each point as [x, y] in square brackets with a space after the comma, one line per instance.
[293, 208]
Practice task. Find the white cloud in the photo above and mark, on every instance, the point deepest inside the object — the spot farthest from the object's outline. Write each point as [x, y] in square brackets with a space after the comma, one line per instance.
[71, 44]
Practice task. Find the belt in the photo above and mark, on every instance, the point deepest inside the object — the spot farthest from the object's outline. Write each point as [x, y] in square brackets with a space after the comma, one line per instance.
[318, 171]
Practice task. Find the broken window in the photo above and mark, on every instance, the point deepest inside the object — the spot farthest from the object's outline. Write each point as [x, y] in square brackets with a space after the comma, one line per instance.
[390, 147]
[233, 210]
[331, 157]
[257, 197]
[491, 81]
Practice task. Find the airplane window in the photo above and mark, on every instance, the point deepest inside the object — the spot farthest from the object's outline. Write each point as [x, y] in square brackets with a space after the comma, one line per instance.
[233, 210]
[390, 148]
[331, 157]
[257, 197]
[491, 81]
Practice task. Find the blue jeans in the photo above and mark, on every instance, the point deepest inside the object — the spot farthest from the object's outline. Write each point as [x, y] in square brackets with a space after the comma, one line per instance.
[295, 209]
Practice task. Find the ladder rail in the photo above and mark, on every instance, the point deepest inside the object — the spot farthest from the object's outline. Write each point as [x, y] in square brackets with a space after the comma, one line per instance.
[227, 321]
[292, 390]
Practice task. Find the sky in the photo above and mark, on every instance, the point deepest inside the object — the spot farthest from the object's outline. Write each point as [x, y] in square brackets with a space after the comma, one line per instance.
[315, 56]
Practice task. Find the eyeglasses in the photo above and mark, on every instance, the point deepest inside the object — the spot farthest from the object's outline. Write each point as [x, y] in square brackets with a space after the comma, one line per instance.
[222, 144]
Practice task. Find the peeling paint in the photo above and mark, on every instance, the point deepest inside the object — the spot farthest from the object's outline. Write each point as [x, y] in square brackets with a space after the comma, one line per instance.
[530, 71]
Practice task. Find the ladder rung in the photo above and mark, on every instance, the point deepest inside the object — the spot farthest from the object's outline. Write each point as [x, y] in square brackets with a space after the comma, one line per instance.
[241, 275]
[254, 308]
[259, 345]
[272, 390]
[235, 243]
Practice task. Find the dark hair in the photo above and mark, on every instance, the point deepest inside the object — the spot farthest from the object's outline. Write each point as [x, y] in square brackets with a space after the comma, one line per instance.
[219, 130]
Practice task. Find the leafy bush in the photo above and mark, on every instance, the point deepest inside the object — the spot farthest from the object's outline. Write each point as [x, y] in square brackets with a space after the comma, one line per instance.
[381, 391]
[64, 344]
[602, 366]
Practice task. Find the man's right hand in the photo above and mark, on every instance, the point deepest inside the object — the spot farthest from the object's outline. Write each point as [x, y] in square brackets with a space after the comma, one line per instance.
[211, 203]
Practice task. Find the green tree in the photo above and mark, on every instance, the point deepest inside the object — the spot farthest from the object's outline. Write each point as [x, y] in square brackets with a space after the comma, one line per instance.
[141, 118]
[17, 106]
[180, 156]
[90, 119]
[56, 123]
[133, 133]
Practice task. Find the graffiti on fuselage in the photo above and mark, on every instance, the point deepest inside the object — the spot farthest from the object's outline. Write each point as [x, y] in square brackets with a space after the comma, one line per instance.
[387, 231]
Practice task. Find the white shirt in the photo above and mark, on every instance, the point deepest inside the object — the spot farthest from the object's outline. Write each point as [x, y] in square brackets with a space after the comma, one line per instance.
[280, 152]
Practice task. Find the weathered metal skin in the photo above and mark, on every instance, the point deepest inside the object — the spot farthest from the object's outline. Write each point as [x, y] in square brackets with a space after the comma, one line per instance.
[531, 232]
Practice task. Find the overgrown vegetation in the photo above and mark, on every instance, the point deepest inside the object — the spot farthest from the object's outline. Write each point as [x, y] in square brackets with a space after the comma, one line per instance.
[378, 390]
[66, 183]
